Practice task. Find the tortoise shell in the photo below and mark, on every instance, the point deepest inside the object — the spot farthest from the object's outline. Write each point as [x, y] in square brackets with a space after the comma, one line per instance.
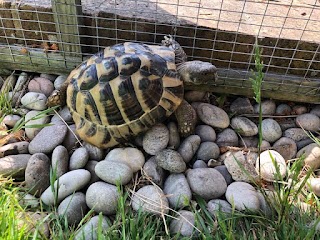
[123, 91]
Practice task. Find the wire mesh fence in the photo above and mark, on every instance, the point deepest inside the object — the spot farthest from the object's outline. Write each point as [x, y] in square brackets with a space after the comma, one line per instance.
[55, 36]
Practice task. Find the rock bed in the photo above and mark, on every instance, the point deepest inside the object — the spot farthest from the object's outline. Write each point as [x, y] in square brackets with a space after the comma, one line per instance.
[176, 168]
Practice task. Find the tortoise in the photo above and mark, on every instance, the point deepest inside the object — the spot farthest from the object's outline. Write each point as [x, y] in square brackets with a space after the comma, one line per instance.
[126, 89]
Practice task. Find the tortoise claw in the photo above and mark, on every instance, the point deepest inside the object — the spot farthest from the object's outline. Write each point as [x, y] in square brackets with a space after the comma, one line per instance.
[54, 99]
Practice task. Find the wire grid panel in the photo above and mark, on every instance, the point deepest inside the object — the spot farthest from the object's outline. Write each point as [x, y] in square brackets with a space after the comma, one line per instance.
[60, 34]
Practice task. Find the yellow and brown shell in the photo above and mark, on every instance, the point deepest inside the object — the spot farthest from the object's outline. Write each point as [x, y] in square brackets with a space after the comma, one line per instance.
[123, 91]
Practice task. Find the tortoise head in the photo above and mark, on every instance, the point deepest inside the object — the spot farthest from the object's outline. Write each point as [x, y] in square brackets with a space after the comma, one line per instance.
[197, 72]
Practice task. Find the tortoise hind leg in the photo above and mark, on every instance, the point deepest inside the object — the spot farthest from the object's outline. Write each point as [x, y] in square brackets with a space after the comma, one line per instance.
[187, 119]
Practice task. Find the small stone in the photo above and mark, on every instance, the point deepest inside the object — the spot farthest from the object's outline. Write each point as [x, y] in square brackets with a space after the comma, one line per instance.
[208, 183]
[114, 172]
[213, 116]
[189, 147]
[133, 157]
[14, 165]
[153, 172]
[90, 166]
[183, 224]
[312, 155]
[156, 139]
[79, 158]
[243, 196]
[225, 173]
[34, 101]
[29, 201]
[265, 165]
[241, 106]
[265, 145]
[296, 134]
[177, 190]
[95, 153]
[195, 96]
[200, 164]
[150, 199]
[217, 207]
[315, 185]
[240, 168]
[34, 223]
[11, 120]
[65, 114]
[206, 133]
[73, 208]
[244, 126]
[14, 148]
[228, 138]
[48, 139]
[89, 230]
[60, 160]
[249, 142]
[59, 81]
[174, 137]
[170, 160]
[37, 174]
[308, 122]
[207, 151]
[264, 204]
[37, 119]
[268, 107]
[68, 183]
[271, 130]
[41, 85]
[21, 82]
[286, 147]
[70, 141]
[283, 110]
[50, 77]
[287, 123]
[299, 109]
[316, 110]
[14, 98]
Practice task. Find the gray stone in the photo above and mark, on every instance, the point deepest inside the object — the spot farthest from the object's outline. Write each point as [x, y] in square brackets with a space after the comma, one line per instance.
[41, 85]
[65, 114]
[183, 224]
[312, 155]
[195, 96]
[213, 116]
[225, 173]
[59, 81]
[95, 153]
[299, 109]
[308, 122]
[271, 130]
[114, 172]
[73, 208]
[283, 110]
[208, 183]
[153, 172]
[241, 106]
[90, 166]
[316, 110]
[68, 183]
[133, 157]
[264, 204]
[37, 174]
[199, 164]
[265, 166]
[243, 196]
[156, 139]
[218, 206]
[206, 133]
[50, 77]
[79, 158]
[286, 147]
[89, 231]
[315, 185]
[249, 142]
[265, 145]
[170, 160]
[60, 160]
[150, 199]
[14, 98]
[34, 101]
[268, 107]
[287, 123]
[102, 197]
[32, 118]
[177, 190]
[296, 134]
[48, 139]
[244, 126]
[70, 141]
[29, 201]
[227, 137]
[240, 168]
[174, 137]
[189, 147]
[207, 151]
[21, 82]
[14, 148]
[14, 165]
[11, 120]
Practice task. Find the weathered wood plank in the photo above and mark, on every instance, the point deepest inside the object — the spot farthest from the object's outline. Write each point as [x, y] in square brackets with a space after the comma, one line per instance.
[68, 21]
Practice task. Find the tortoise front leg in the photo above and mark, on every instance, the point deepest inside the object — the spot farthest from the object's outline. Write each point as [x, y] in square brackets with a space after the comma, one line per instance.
[187, 119]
